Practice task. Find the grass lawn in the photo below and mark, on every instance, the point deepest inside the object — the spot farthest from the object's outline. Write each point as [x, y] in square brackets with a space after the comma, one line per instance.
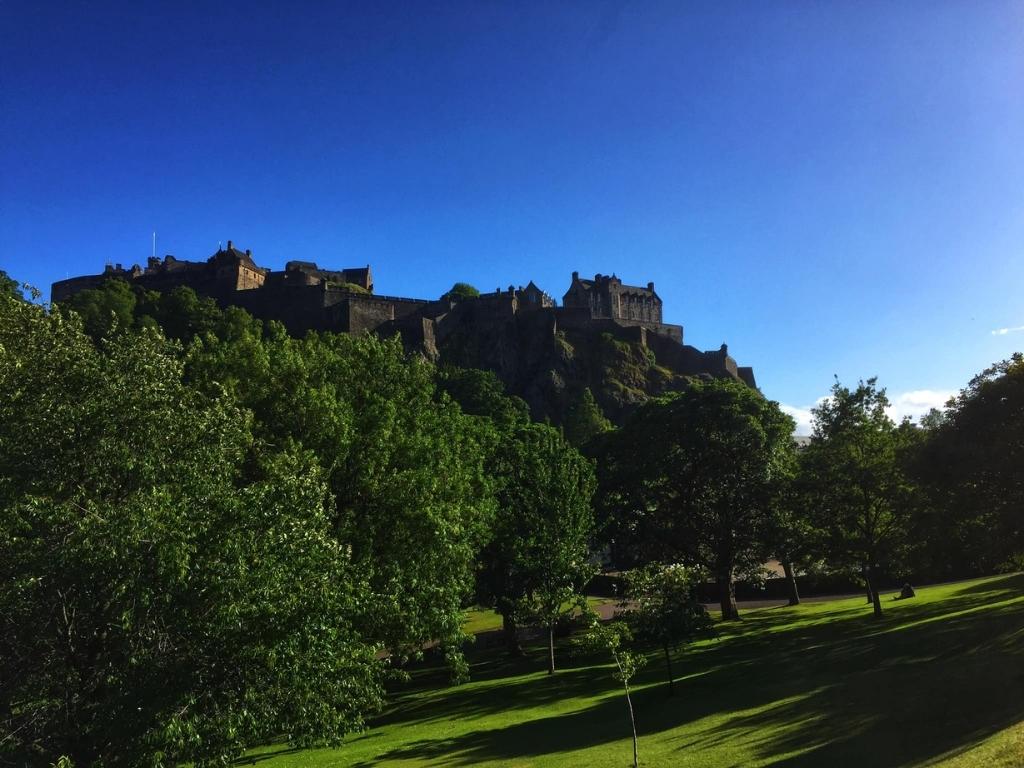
[938, 681]
[485, 620]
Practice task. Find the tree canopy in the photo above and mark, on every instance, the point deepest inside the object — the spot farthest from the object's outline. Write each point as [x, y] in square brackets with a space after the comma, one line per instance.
[970, 465]
[539, 556]
[585, 420]
[411, 503]
[9, 286]
[170, 590]
[690, 479]
[665, 610]
[854, 481]
[461, 291]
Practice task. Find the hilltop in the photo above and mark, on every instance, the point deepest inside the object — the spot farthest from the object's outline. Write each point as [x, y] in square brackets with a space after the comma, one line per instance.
[606, 336]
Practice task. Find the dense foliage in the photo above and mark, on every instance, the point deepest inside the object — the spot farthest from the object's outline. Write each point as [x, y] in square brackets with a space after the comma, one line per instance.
[538, 559]
[461, 291]
[169, 590]
[212, 544]
[9, 286]
[665, 610]
[854, 484]
[213, 534]
[970, 465]
[410, 500]
[584, 420]
[691, 478]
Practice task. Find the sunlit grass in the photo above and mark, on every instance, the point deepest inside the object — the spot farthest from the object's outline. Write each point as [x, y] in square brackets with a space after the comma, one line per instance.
[485, 620]
[938, 681]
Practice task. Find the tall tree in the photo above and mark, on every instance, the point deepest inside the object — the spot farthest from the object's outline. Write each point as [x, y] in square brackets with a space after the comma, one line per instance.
[170, 592]
[970, 465]
[792, 537]
[539, 557]
[856, 484]
[690, 479]
[412, 505]
[481, 393]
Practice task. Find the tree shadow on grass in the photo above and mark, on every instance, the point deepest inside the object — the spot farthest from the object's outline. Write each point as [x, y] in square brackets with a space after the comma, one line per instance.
[833, 687]
[271, 754]
[525, 686]
[904, 690]
[913, 696]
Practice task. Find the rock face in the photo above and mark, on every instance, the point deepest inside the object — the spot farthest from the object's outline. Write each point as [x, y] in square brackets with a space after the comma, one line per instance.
[548, 356]
[607, 336]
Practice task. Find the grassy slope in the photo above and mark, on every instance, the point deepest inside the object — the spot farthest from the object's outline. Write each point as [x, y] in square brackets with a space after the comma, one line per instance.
[932, 683]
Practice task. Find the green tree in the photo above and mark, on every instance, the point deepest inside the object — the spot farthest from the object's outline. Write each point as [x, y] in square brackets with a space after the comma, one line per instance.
[412, 504]
[664, 610]
[791, 535]
[690, 477]
[9, 287]
[585, 420]
[481, 393]
[184, 314]
[855, 482]
[349, 287]
[105, 309]
[613, 638]
[461, 291]
[170, 592]
[970, 463]
[538, 559]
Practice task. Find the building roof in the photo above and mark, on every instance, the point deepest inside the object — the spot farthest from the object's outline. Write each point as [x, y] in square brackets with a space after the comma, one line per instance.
[602, 281]
[242, 257]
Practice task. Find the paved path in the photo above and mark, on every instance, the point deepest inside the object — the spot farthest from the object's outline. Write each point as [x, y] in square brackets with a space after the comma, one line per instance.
[607, 610]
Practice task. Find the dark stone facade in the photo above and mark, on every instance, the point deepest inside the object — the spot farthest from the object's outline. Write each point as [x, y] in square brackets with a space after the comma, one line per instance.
[514, 322]
[229, 272]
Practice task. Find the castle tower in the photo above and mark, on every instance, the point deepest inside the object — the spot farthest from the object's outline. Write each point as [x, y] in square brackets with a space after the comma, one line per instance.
[606, 296]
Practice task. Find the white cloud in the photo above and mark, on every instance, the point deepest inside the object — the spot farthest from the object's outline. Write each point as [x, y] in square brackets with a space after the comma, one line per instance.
[1004, 331]
[802, 417]
[916, 403]
[913, 404]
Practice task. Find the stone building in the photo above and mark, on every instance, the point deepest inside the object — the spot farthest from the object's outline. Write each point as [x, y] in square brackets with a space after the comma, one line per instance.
[308, 273]
[608, 297]
[221, 276]
[304, 297]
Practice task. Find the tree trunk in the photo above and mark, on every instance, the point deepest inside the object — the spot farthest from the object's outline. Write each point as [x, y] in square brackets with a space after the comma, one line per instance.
[867, 583]
[794, 593]
[873, 591]
[551, 648]
[668, 663]
[727, 596]
[632, 722]
[511, 634]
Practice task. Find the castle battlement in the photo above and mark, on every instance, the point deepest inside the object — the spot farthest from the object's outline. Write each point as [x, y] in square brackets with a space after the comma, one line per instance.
[306, 297]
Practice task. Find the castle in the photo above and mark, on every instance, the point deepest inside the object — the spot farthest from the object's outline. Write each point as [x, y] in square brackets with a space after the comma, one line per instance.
[304, 297]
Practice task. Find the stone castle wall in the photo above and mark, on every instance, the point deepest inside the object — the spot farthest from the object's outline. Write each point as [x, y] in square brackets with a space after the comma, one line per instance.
[305, 298]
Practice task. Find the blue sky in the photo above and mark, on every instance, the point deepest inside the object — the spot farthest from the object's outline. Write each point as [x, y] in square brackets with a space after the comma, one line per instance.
[833, 188]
